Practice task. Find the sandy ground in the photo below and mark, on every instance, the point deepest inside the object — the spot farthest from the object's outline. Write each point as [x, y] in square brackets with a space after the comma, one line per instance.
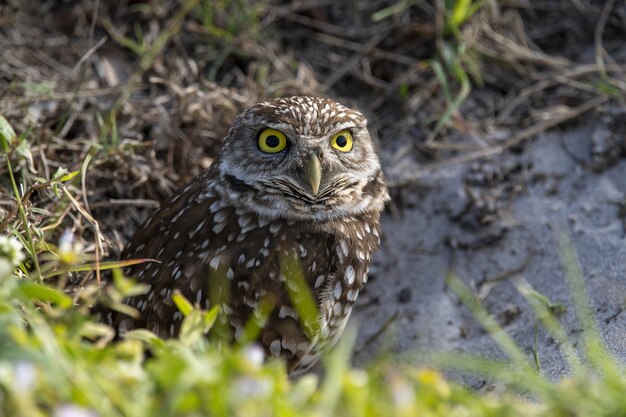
[558, 182]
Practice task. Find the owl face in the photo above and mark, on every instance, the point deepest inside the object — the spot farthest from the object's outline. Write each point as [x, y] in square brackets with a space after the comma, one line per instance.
[305, 158]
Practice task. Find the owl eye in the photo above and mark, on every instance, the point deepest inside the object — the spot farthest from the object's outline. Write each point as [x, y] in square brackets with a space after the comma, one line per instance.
[342, 141]
[272, 141]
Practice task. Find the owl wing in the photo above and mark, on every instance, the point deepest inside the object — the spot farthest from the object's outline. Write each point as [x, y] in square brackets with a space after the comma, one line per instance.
[183, 238]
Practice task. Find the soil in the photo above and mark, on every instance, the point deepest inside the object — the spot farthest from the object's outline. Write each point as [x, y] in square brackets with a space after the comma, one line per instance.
[531, 196]
[537, 149]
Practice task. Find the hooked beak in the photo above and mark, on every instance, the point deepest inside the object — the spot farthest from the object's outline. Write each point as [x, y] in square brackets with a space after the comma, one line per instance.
[314, 173]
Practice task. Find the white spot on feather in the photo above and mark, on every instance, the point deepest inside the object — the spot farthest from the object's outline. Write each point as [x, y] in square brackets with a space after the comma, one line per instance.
[275, 228]
[319, 281]
[218, 227]
[337, 309]
[343, 248]
[220, 216]
[350, 274]
[215, 262]
[216, 206]
[286, 311]
[275, 348]
[337, 291]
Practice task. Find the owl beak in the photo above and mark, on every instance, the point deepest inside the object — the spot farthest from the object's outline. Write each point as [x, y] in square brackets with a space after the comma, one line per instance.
[314, 173]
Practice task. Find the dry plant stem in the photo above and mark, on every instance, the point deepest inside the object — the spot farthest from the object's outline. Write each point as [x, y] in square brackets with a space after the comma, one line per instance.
[83, 176]
[498, 149]
[94, 20]
[96, 226]
[137, 202]
[513, 51]
[20, 207]
[96, 92]
[172, 27]
[89, 53]
[566, 77]
[358, 47]
[9, 218]
[57, 223]
[339, 31]
[351, 63]
[600, 51]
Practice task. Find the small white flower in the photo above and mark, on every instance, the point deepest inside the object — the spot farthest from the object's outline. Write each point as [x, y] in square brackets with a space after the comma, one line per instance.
[71, 410]
[254, 353]
[246, 387]
[66, 241]
[25, 376]
[11, 249]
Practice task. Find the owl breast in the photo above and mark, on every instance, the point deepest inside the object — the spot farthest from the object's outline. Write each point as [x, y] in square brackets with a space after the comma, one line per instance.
[328, 262]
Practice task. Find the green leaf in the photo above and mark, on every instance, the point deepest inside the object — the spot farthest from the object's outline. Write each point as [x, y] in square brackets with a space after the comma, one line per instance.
[460, 12]
[41, 292]
[6, 134]
[93, 331]
[127, 287]
[191, 330]
[145, 336]
[63, 175]
[183, 304]
[209, 317]
[256, 322]
[38, 88]
[123, 308]
[299, 292]
[102, 266]
[555, 308]
[197, 324]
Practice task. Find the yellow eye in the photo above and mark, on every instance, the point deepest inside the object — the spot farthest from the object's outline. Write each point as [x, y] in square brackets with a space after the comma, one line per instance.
[342, 141]
[272, 141]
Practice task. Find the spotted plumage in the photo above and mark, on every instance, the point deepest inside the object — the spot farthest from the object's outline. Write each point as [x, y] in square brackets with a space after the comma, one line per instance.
[298, 187]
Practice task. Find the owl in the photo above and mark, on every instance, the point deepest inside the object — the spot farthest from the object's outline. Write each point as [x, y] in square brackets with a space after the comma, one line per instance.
[287, 213]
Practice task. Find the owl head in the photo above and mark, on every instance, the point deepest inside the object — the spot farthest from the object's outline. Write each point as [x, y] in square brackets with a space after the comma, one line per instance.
[302, 158]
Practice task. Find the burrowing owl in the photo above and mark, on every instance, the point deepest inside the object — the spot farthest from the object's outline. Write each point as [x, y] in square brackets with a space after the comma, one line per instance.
[296, 189]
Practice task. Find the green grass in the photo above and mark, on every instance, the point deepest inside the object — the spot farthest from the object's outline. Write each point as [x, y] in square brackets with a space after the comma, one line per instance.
[56, 359]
